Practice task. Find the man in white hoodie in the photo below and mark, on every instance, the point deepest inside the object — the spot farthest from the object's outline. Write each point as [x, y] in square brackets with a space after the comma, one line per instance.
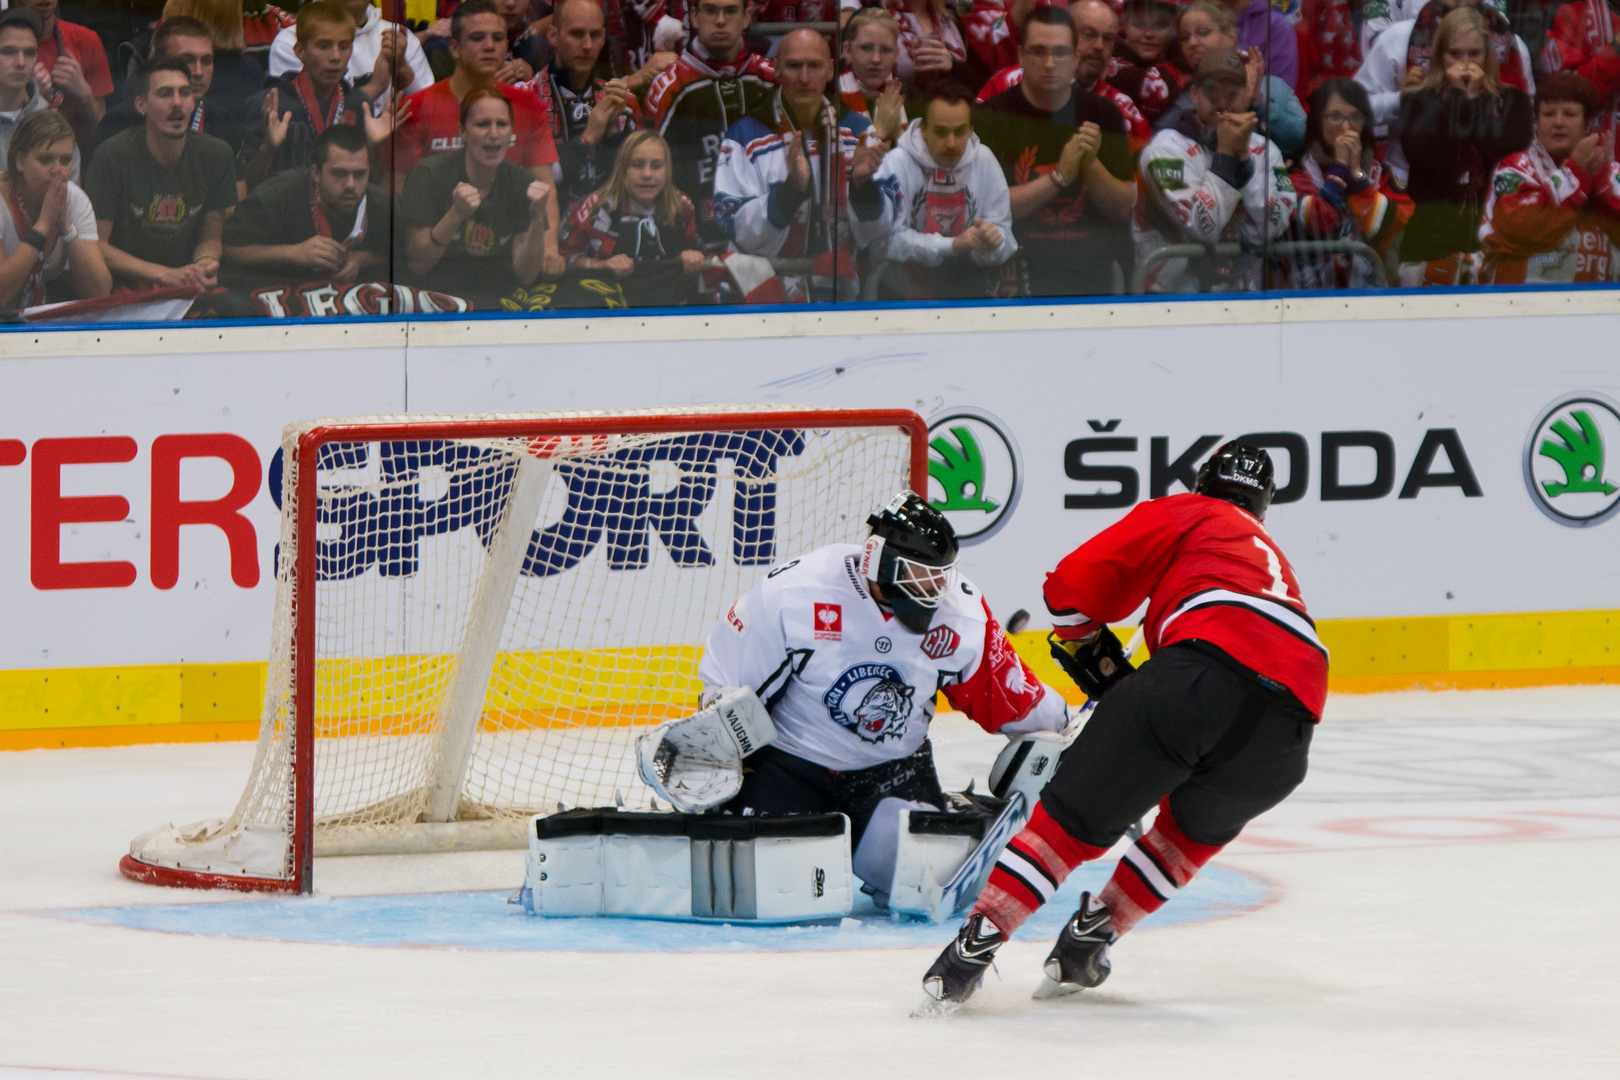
[952, 213]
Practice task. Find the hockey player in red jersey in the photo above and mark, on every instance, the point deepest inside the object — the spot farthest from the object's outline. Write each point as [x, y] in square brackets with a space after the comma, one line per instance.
[1214, 729]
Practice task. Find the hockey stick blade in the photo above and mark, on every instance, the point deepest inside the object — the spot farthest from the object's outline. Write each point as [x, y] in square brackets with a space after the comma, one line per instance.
[963, 888]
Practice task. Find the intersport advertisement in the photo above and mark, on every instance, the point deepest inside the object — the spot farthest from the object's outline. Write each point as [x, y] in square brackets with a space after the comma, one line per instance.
[1425, 467]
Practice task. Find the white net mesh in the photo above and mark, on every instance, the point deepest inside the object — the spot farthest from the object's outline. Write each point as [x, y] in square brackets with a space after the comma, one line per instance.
[640, 542]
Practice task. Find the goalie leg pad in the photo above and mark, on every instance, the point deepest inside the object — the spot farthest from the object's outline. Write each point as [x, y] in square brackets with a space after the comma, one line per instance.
[689, 867]
[877, 856]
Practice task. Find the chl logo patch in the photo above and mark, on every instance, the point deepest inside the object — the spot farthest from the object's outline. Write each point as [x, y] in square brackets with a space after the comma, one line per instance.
[940, 642]
[872, 700]
[829, 622]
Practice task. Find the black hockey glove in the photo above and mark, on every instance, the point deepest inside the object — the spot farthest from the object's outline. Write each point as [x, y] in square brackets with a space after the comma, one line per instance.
[1095, 664]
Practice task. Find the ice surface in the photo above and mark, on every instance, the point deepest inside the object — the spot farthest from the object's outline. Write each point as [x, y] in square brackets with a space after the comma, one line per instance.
[1440, 899]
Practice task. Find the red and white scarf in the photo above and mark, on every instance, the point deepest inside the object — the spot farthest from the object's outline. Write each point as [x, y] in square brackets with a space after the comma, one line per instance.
[324, 227]
[33, 292]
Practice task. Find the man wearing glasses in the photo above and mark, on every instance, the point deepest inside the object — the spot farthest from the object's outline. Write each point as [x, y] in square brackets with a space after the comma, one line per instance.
[715, 83]
[1066, 155]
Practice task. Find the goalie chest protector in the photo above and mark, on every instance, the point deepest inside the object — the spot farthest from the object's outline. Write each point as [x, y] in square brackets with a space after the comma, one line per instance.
[702, 868]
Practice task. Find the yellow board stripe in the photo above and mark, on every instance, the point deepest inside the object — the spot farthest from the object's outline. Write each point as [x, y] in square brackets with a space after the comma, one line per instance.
[114, 706]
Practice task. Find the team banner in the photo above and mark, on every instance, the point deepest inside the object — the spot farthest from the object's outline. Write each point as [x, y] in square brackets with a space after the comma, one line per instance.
[1424, 467]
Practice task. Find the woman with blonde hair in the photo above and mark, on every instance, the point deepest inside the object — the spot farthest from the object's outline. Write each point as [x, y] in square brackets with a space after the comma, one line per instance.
[933, 46]
[238, 28]
[1208, 24]
[638, 227]
[49, 227]
[1457, 121]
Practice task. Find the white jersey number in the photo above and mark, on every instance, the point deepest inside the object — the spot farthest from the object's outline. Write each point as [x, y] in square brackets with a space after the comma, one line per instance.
[1279, 587]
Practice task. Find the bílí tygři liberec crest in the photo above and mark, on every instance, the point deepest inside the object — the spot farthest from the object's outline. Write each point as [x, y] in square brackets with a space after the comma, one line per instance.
[872, 700]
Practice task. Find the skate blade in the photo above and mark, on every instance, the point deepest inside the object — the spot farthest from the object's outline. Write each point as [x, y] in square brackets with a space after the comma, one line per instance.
[1051, 988]
[930, 1009]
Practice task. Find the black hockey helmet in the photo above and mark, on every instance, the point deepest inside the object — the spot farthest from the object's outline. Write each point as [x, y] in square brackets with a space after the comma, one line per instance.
[911, 554]
[1239, 473]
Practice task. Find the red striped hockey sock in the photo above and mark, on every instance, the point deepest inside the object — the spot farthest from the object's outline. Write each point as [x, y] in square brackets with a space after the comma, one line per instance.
[1153, 870]
[1031, 867]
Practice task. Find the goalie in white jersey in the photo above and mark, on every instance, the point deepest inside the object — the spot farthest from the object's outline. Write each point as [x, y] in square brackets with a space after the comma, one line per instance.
[847, 647]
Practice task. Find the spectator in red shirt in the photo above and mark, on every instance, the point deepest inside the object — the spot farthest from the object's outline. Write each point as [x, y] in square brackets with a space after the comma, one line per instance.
[19, 97]
[478, 42]
[432, 118]
[76, 77]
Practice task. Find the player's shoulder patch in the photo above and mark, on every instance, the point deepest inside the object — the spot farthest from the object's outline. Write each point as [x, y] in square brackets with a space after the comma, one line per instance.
[1507, 181]
[1168, 173]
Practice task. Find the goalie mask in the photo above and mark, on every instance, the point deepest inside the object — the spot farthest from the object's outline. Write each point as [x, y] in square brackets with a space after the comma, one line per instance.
[911, 555]
[1241, 474]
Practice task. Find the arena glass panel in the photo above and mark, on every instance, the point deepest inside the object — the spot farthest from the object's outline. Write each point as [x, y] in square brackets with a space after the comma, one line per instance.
[1309, 145]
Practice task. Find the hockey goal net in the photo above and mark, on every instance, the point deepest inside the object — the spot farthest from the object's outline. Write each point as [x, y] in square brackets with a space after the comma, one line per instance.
[476, 615]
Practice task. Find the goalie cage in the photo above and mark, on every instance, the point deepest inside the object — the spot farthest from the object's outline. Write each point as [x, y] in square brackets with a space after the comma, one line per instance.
[476, 615]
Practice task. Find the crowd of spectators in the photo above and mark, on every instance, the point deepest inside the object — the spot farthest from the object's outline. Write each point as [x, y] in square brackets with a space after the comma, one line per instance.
[530, 154]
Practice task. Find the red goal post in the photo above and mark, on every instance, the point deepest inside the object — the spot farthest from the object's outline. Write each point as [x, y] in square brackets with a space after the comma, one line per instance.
[610, 451]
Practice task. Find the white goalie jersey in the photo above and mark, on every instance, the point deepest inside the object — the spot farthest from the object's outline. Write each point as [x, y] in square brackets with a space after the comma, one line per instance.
[848, 686]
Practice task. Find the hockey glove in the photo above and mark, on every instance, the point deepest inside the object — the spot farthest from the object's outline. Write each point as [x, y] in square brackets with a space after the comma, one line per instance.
[696, 762]
[1094, 663]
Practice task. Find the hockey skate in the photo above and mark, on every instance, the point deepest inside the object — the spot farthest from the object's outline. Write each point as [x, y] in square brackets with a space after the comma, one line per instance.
[960, 968]
[1079, 960]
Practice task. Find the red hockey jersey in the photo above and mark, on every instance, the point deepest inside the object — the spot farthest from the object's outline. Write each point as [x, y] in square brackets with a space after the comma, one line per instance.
[1209, 571]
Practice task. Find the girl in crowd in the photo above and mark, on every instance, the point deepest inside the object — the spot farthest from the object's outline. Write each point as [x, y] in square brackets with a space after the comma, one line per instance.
[639, 227]
[1142, 67]
[1554, 209]
[475, 223]
[1344, 193]
[868, 87]
[1209, 24]
[50, 227]
[933, 47]
[1456, 124]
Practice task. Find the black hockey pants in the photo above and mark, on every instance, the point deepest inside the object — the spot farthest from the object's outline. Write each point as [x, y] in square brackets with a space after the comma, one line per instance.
[1192, 725]
[776, 782]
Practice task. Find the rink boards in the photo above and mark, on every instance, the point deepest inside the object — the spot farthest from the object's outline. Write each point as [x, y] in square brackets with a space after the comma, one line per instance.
[1417, 495]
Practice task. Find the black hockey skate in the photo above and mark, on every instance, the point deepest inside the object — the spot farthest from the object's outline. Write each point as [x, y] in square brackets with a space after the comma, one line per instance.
[1079, 960]
[960, 968]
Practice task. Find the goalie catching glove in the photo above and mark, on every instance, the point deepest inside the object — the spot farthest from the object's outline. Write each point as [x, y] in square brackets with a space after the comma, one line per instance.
[1094, 663]
[696, 763]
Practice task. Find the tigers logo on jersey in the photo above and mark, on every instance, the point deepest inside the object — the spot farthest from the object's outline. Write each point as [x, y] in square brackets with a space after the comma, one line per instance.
[829, 622]
[940, 642]
[872, 700]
